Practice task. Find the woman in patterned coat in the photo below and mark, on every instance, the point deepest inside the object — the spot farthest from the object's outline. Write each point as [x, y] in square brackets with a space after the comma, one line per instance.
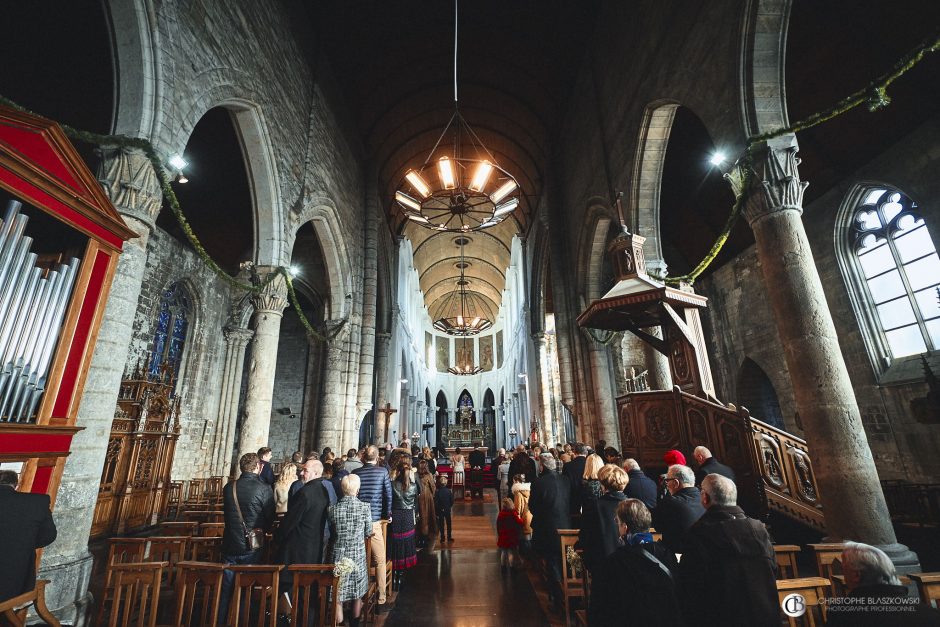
[350, 524]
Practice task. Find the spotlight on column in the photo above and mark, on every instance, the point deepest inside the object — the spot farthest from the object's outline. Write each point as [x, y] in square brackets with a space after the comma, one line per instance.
[177, 162]
[293, 271]
[717, 158]
[182, 178]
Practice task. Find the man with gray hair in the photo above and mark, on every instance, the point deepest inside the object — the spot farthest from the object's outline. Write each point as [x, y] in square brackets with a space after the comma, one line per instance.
[727, 575]
[640, 486]
[875, 594]
[548, 503]
[708, 465]
[680, 508]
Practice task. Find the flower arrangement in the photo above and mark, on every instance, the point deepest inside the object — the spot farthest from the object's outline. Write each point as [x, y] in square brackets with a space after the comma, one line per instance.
[344, 567]
[574, 561]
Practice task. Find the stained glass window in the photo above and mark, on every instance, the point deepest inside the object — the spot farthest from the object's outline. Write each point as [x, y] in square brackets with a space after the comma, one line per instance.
[900, 268]
[170, 336]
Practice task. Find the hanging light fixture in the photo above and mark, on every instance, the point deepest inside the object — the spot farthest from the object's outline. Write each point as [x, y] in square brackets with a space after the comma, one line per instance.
[462, 312]
[463, 191]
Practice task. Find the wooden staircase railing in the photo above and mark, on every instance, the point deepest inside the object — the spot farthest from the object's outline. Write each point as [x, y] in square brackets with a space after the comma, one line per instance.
[774, 468]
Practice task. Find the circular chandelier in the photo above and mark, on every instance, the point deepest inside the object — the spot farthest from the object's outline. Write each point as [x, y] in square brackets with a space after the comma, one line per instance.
[462, 312]
[465, 370]
[458, 192]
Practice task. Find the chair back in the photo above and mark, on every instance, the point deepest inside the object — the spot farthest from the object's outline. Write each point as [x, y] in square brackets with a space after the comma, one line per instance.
[826, 554]
[254, 590]
[198, 590]
[928, 586]
[174, 496]
[178, 528]
[15, 609]
[313, 594]
[195, 491]
[205, 549]
[212, 529]
[572, 586]
[135, 594]
[813, 590]
[170, 549]
[124, 551]
[786, 561]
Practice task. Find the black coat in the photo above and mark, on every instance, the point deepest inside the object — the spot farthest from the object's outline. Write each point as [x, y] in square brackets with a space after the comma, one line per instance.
[27, 525]
[600, 535]
[713, 466]
[728, 571]
[256, 499]
[267, 473]
[628, 588]
[549, 502]
[523, 465]
[641, 487]
[300, 534]
[574, 470]
[477, 459]
[675, 514]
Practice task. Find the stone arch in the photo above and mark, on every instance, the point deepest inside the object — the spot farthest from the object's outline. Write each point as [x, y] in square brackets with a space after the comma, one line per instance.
[643, 202]
[756, 392]
[593, 256]
[321, 212]
[762, 65]
[136, 53]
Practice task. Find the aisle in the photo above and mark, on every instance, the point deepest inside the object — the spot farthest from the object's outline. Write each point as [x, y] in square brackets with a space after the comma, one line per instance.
[461, 585]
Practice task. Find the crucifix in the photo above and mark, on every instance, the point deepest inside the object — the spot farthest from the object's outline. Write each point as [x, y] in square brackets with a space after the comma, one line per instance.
[387, 411]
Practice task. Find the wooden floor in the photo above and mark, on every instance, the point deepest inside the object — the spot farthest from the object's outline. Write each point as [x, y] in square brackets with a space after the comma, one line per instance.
[460, 584]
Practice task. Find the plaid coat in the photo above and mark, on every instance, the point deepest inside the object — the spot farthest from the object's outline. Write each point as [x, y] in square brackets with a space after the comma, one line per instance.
[350, 523]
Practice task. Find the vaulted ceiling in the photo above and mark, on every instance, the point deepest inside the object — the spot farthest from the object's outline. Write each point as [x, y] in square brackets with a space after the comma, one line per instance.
[515, 67]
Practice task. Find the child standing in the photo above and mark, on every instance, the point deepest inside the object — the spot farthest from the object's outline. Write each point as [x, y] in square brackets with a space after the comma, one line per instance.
[443, 502]
[509, 529]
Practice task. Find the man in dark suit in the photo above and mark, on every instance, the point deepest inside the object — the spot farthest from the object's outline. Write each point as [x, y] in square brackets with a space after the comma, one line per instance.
[640, 486]
[708, 465]
[267, 473]
[27, 525]
[574, 470]
[680, 509]
[549, 504]
[300, 535]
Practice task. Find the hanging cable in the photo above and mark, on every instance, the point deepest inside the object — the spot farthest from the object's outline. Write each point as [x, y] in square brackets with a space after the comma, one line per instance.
[455, 51]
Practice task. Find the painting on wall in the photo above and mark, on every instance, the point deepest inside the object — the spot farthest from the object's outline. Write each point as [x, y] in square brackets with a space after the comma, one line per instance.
[443, 354]
[429, 349]
[486, 353]
[465, 353]
[499, 349]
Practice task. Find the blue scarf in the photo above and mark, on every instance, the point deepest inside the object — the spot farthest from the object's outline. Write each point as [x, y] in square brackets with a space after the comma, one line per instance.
[636, 539]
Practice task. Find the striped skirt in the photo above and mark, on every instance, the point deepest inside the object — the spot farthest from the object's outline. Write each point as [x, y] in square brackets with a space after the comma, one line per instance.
[403, 552]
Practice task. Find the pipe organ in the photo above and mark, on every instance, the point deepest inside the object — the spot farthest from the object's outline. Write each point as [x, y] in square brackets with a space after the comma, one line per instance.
[60, 238]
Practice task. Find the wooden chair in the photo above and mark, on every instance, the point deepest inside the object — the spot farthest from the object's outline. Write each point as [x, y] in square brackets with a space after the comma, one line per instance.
[14, 610]
[195, 491]
[205, 549]
[371, 600]
[178, 528]
[212, 529]
[826, 554]
[135, 595]
[813, 590]
[124, 551]
[214, 488]
[255, 588]
[310, 579]
[174, 498]
[928, 586]
[572, 586]
[198, 591]
[169, 549]
[388, 563]
[786, 561]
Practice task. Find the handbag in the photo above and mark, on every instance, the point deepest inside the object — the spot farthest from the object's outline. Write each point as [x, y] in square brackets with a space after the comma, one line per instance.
[253, 537]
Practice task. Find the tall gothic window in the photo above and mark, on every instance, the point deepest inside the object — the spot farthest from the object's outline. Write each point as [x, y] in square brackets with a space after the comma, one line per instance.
[172, 325]
[900, 270]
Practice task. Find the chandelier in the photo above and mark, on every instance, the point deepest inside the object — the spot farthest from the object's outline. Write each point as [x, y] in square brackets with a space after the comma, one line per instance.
[462, 312]
[465, 365]
[465, 370]
[458, 192]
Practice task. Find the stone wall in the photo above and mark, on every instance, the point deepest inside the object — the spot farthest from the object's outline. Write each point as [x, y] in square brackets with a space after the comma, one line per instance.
[741, 325]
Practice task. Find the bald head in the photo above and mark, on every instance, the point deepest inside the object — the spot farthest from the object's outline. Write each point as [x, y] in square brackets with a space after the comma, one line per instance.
[313, 469]
[701, 454]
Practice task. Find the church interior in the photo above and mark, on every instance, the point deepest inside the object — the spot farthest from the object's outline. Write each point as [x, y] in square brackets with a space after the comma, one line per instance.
[301, 224]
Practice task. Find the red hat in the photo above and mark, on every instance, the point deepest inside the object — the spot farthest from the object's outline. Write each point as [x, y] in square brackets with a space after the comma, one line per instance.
[674, 457]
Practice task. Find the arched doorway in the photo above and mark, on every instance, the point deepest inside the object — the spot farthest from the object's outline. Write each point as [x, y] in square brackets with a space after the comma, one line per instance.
[757, 394]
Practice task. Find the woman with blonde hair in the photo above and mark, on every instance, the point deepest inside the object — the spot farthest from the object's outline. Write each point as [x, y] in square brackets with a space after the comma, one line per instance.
[590, 484]
[282, 486]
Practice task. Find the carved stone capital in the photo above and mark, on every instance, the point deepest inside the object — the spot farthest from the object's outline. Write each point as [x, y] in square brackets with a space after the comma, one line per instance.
[775, 184]
[130, 182]
[273, 297]
[237, 336]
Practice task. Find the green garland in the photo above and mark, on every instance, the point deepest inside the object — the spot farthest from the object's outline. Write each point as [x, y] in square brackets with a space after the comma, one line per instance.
[110, 141]
[875, 95]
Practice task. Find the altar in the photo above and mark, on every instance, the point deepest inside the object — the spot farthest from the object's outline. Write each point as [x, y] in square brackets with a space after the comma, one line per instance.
[467, 432]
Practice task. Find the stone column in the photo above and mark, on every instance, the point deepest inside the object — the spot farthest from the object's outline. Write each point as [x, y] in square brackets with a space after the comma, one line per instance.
[269, 309]
[853, 502]
[605, 406]
[658, 376]
[332, 400]
[543, 377]
[131, 184]
[381, 384]
[236, 341]
[366, 398]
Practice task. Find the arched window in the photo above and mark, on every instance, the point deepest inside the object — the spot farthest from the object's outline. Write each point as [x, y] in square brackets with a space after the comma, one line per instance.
[898, 267]
[169, 339]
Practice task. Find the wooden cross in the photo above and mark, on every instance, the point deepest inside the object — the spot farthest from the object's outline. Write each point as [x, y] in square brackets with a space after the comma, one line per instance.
[388, 411]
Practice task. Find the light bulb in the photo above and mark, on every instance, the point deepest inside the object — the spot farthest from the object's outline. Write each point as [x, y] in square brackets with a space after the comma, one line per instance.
[418, 183]
[481, 176]
[717, 158]
[177, 162]
[504, 190]
[407, 201]
[446, 168]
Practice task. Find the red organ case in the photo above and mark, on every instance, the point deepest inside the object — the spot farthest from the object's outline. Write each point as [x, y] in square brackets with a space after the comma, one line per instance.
[59, 245]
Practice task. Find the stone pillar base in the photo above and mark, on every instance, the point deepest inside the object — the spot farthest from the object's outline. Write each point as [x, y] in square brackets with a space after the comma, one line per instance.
[67, 594]
[905, 560]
